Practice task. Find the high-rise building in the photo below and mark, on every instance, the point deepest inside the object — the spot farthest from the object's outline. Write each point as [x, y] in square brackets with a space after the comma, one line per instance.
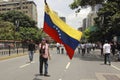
[93, 14]
[25, 6]
[84, 24]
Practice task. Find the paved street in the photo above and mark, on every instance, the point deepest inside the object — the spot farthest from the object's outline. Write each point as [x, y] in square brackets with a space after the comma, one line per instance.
[88, 67]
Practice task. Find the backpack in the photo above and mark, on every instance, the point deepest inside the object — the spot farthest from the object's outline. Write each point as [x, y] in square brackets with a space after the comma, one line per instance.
[42, 50]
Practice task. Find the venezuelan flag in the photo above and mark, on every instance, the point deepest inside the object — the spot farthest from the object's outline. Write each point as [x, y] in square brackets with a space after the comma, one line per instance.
[60, 31]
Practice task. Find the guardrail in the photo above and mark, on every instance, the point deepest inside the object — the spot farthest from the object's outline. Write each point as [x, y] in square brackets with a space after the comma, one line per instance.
[10, 51]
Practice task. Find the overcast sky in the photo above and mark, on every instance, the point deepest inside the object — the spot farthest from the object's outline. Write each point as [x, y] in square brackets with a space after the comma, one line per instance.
[63, 9]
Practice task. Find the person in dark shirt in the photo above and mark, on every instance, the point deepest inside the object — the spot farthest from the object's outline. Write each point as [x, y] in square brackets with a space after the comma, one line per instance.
[44, 56]
[113, 47]
[31, 49]
[118, 48]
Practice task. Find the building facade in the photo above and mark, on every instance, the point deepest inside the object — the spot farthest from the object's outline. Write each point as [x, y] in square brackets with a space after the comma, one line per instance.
[89, 21]
[84, 26]
[25, 6]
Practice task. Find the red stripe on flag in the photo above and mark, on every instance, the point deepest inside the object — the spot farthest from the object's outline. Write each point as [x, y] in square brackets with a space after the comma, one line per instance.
[51, 32]
[69, 51]
[54, 34]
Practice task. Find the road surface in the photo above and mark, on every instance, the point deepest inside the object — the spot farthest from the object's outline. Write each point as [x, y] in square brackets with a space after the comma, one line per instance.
[88, 67]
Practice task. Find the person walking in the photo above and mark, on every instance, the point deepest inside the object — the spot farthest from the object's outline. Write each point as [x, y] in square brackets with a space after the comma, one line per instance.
[62, 49]
[113, 47]
[58, 48]
[83, 47]
[31, 49]
[107, 51]
[118, 48]
[79, 47]
[101, 48]
[43, 58]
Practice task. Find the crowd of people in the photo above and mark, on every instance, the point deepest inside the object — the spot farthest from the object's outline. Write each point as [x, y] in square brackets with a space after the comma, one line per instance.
[83, 48]
[107, 49]
[86, 48]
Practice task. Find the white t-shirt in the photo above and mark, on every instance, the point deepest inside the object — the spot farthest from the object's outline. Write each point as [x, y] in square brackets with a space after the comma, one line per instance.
[57, 45]
[106, 48]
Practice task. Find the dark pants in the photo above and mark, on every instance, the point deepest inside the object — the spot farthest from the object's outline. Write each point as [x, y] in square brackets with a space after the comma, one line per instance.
[79, 50]
[62, 50]
[58, 50]
[83, 52]
[45, 62]
[107, 58]
[119, 56]
[101, 51]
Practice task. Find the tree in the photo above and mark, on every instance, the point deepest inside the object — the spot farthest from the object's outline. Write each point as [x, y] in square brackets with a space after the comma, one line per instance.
[31, 33]
[108, 16]
[78, 4]
[107, 21]
[12, 16]
[27, 27]
[6, 30]
[83, 3]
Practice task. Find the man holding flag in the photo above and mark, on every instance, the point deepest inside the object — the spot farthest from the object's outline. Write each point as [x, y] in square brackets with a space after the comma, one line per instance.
[60, 31]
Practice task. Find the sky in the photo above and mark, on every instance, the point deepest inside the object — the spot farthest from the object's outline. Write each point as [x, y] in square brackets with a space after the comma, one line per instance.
[63, 10]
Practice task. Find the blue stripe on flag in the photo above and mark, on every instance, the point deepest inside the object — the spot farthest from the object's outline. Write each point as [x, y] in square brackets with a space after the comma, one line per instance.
[73, 43]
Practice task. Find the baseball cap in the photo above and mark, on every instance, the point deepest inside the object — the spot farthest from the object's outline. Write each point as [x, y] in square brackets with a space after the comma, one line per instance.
[43, 39]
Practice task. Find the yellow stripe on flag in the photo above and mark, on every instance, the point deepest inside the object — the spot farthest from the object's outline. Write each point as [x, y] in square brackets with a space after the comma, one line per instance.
[62, 25]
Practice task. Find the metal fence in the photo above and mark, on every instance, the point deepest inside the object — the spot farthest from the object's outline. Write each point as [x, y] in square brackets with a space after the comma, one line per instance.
[9, 47]
[11, 51]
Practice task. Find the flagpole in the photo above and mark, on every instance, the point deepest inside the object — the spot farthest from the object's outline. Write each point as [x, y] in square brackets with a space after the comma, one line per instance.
[45, 2]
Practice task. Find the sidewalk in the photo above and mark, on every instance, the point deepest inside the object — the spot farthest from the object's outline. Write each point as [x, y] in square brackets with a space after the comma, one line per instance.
[12, 56]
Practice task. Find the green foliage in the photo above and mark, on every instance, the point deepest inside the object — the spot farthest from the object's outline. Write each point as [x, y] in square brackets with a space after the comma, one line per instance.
[7, 32]
[30, 33]
[6, 29]
[26, 30]
[24, 20]
[26, 34]
[84, 3]
[107, 22]
[92, 33]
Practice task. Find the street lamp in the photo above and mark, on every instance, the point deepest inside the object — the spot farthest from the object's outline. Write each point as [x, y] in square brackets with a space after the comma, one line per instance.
[16, 25]
[16, 30]
[23, 40]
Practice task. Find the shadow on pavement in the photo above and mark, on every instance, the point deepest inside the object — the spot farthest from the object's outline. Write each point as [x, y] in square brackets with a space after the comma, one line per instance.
[88, 57]
[36, 77]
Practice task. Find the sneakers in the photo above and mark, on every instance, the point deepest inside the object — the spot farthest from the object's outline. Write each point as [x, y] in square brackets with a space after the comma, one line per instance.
[41, 74]
[46, 75]
[32, 61]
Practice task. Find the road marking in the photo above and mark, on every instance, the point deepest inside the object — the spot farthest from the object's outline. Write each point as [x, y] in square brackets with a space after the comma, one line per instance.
[24, 65]
[87, 79]
[59, 79]
[33, 62]
[115, 67]
[27, 64]
[67, 66]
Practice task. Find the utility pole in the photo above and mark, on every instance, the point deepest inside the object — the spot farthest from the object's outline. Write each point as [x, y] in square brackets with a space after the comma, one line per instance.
[16, 30]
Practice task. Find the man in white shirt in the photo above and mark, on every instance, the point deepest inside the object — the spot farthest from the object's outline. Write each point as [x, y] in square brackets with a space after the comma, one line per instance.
[107, 51]
[58, 48]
